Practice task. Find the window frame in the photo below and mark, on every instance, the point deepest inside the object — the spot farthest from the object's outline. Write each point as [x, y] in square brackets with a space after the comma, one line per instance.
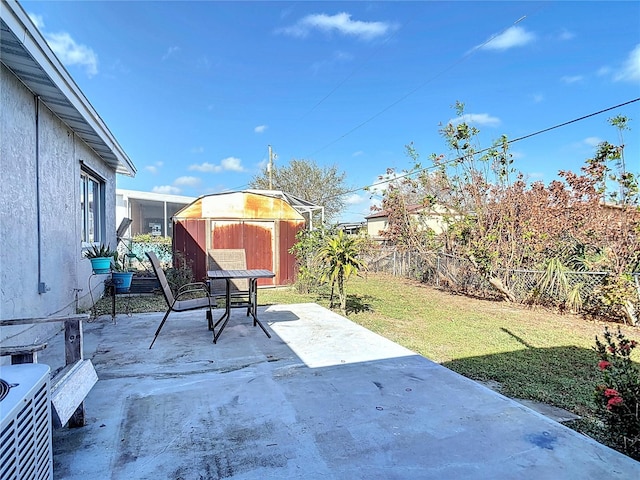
[92, 213]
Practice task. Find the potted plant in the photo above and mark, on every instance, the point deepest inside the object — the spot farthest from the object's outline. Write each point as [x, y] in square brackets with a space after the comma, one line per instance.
[100, 256]
[120, 275]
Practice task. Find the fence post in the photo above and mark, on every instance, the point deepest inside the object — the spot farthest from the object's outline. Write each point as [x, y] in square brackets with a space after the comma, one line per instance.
[438, 271]
[394, 262]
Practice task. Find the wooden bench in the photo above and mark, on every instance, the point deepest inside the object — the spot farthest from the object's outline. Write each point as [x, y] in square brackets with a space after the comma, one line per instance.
[71, 385]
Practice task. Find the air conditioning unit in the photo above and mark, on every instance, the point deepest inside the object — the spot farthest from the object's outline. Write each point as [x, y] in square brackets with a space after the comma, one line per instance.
[25, 428]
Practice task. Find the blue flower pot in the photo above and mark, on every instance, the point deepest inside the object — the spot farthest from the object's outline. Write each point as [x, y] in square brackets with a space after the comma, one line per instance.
[122, 281]
[101, 264]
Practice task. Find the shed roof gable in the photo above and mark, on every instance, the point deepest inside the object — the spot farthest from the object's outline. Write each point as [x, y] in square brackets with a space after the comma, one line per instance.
[239, 205]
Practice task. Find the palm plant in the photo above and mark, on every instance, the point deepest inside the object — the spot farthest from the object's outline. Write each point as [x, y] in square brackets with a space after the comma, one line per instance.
[339, 257]
[554, 284]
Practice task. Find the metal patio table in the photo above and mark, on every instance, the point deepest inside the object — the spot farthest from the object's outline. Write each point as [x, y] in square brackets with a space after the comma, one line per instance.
[251, 305]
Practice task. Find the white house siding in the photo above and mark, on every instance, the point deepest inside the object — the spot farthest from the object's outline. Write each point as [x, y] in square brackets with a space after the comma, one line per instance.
[376, 225]
[62, 267]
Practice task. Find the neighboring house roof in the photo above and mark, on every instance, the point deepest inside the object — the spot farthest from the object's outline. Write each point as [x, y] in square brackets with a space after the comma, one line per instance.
[155, 197]
[25, 52]
[433, 210]
[380, 214]
[410, 209]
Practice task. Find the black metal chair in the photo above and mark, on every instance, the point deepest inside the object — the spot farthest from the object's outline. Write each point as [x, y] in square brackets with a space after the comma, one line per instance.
[174, 303]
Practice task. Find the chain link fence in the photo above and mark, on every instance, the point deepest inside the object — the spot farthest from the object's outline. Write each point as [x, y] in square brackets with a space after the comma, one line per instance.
[459, 274]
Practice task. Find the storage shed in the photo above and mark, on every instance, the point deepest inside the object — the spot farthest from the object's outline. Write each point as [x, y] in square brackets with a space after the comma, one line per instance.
[264, 223]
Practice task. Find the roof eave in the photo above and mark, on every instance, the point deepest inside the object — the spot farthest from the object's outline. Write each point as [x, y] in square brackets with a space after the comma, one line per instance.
[30, 54]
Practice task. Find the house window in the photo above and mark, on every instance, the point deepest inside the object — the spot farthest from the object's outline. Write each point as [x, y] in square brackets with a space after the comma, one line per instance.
[92, 208]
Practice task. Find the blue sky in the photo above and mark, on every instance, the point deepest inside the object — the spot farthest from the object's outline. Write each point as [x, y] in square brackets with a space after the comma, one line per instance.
[196, 91]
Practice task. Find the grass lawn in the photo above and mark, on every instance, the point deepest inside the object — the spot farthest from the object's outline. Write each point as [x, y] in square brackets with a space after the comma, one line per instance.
[532, 353]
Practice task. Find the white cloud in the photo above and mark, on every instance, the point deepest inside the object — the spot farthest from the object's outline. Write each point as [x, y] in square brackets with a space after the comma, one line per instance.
[340, 23]
[227, 164]
[602, 71]
[37, 20]
[374, 206]
[67, 50]
[592, 141]
[154, 169]
[510, 38]
[568, 79]
[197, 150]
[170, 52]
[357, 154]
[630, 71]
[166, 189]
[534, 176]
[187, 181]
[260, 129]
[355, 199]
[586, 144]
[206, 167]
[380, 184]
[232, 163]
[71, 53]
[483, 119]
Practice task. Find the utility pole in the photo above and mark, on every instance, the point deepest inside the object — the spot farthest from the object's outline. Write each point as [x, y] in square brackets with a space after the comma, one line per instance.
[270, 168]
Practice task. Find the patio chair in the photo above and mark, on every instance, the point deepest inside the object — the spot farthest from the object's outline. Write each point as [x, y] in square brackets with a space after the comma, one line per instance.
[229, 259]
[174, 303]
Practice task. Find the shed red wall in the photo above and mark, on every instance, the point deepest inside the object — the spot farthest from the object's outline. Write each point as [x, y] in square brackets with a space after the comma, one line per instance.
[190, 240]
[264, 242]
[256, 238]
[287, 268]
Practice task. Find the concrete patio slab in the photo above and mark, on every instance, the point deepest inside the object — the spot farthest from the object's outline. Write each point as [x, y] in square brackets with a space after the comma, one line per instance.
[323, 399]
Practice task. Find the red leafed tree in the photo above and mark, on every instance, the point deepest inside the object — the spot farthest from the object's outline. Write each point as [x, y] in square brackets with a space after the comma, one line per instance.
[584, 221]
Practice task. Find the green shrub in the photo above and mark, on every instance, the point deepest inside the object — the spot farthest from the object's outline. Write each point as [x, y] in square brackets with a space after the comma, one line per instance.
[618, 397]
[308, 243]
[179, 275]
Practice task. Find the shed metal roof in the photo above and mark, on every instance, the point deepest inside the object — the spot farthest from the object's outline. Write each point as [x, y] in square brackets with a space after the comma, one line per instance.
[245, 204]
[25, 52]
[301, 205]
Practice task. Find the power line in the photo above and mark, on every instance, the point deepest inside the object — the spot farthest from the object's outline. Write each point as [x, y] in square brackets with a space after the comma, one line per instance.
[509, 142]
[573, 121]
[359, 67]
[422, 85]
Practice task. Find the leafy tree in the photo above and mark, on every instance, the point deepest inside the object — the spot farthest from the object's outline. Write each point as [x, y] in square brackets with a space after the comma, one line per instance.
[339, 257]
[500, 222]
[308, 243]
[324, 186]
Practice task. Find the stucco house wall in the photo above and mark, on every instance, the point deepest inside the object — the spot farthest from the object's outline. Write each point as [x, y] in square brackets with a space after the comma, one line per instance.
[434, 218]
[41, 192]
[375, 225]
[42, 269]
